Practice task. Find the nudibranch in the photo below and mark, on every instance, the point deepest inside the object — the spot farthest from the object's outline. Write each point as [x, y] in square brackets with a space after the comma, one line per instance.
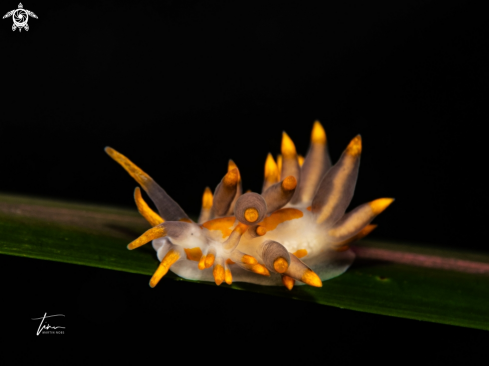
[295, 230]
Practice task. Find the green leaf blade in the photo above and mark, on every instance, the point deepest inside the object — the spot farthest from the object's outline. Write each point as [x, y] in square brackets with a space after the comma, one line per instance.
[407, 282]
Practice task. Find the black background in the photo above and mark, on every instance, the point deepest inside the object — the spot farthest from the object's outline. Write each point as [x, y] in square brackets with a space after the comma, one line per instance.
[180, 87]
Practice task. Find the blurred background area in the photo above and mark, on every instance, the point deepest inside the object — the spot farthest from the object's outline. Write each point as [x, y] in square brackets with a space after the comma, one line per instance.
[182, 87]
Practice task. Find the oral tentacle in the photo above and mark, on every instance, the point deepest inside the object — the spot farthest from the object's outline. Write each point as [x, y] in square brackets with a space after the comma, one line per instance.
[279, 194]
[156, 232]
[316, 164]
[171, 257]
[169, 210]
[152, 217]
[187, 235]
[336, 189]
[272, 174]
[354, 221]
[206, 211]
[225, 192]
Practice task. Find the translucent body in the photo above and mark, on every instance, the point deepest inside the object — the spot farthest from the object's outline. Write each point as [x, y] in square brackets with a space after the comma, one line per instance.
[294, 232]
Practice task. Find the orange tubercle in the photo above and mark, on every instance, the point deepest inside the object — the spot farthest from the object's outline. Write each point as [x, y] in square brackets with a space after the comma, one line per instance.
[318, 135]
[261, 270]
[232, 165]
[380, 204]
[289, 183]
[300, 159]
[228, 277]
[248, 259]
[209, 260]
[251, 214]
[260, 230]
[280, 265]
[202, 262]
[354, 148]
[288, 282]
[207, 198]
[288, 147]
[271, 169]
[218, 274]
[231, 178]
[311, 278]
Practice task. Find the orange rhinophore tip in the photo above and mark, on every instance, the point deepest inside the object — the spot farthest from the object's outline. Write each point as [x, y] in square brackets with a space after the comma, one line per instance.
[354, 148]
[280, 265]
[311, 278]
[231, 178]
[380, 204]
[260, 230]
[209, 260]
[288, 282]
[261, 270]
[218, 274]
[251, 214]
[271, 169]
[289, 183]
[207, 198]
[318, 135]
[152, 217]
[288, 147]
[170, 258]
[151, 234]
[202, 262]
[300, 158]
[248, 259]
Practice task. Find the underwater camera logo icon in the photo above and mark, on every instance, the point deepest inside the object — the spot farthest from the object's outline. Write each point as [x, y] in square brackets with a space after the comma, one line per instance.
[20, 17]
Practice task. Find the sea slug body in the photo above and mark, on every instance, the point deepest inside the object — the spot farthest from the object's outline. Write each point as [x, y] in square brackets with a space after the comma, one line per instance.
[294, 232]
